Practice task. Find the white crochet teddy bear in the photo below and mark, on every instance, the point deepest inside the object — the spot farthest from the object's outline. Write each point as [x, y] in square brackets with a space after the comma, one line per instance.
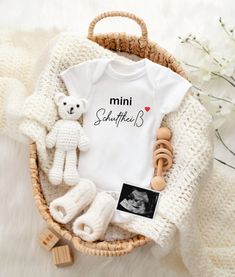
[66, 136]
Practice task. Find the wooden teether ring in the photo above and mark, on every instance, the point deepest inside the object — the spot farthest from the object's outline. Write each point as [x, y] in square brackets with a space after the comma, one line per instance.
[167, 161]
[162, 151]
[156, 159]
[161, 143]
[162, 157]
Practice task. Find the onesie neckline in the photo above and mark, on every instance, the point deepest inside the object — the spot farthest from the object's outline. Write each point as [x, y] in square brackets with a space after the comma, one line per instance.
[132, 70]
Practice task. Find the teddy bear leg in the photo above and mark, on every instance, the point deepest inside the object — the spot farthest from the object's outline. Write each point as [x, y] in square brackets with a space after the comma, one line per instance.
[71, 176]
[56, 172]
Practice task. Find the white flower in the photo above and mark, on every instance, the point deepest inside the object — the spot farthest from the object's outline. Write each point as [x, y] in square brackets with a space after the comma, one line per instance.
[212, 107]
[211, 70]
[206, 67]
[232, 38]
[206, 44]
[230, 46]
[227, 109]
[223, 113]
[204, 97]
[200, 75]
[218, 121]
[227, 69]
[195, 77]
[205, 74]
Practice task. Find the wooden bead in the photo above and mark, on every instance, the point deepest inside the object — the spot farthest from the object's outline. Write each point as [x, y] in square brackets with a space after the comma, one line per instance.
[158, 183]
[164, 133]
[61, 256]
[48, 239]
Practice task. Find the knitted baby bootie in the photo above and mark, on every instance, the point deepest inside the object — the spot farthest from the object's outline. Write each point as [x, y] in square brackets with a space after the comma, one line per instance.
[93, 223]
[65, 208]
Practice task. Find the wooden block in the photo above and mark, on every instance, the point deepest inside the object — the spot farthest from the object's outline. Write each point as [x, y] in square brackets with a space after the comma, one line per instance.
[48, 239]
[61, 255]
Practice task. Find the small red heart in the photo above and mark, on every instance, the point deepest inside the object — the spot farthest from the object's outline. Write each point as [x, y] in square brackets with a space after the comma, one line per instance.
[147, 109]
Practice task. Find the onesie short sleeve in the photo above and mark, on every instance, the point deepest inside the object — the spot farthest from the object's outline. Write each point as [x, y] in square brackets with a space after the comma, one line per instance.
[171, 89]
[78, 79]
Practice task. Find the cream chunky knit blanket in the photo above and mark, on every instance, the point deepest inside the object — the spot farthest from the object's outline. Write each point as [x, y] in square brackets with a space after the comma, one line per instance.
[15, 71]
[196, 211]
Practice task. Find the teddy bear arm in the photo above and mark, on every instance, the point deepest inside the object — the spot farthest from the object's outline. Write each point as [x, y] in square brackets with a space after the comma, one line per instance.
[52, 136]
[83, 141]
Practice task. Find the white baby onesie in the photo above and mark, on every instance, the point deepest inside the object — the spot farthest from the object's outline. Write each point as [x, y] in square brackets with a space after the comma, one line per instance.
[127, 102]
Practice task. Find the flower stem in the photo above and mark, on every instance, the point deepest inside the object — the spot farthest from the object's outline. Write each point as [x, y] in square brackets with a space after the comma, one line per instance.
[194, 41]
[221, 76]
[224, 163]
[229, 33]
[221, 140]
[221, 99]
[214, 97]
[212, 72]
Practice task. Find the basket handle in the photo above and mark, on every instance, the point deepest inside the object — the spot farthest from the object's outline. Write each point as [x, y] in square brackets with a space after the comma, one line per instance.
[132, 16]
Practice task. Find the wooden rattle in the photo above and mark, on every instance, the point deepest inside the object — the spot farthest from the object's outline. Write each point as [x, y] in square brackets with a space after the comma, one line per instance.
[162, 157]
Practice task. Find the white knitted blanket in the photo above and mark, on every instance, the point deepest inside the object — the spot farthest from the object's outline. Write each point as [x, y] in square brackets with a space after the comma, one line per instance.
[196, 212]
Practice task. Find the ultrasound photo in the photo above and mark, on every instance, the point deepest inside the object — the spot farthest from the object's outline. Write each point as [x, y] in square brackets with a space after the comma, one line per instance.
[138, 201]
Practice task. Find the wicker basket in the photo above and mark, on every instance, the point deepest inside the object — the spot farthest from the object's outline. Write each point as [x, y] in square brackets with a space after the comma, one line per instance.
[121, 42]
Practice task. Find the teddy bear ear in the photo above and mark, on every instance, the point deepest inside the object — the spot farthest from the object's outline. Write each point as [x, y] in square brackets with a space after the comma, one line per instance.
[58, 98]
[84, 104]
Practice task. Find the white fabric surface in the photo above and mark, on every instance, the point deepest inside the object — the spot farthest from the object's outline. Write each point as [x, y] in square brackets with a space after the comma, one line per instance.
[20, 253]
